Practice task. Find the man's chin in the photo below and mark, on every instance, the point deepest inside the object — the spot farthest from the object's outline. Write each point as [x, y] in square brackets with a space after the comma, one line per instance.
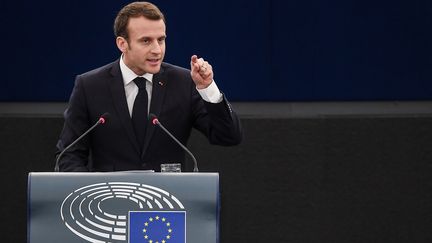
[154, 69]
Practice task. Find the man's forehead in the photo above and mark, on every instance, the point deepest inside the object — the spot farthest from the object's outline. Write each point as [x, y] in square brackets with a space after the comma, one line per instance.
[141, 26]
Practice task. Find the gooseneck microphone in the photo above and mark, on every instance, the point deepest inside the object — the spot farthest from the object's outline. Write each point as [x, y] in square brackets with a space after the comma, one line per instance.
[154, 120]
[102, 120]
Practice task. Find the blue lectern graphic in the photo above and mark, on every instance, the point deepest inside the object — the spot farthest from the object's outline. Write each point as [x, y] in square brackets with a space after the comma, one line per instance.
[122, 207]
[157, 226]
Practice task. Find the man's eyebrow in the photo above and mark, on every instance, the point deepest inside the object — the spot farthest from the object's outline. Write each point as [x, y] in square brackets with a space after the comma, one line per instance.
[150, 37]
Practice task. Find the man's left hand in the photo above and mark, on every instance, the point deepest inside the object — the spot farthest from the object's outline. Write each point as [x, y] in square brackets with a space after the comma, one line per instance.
[201, 72]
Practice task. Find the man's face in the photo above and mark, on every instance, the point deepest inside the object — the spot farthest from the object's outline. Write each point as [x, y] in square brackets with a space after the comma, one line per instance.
[146, 47]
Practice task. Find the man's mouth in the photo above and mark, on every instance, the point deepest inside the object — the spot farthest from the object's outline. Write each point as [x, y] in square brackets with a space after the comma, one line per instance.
[153, 60]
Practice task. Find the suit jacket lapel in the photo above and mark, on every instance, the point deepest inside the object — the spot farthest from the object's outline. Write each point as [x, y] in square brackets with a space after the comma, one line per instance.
[158, 95]
[119, 99]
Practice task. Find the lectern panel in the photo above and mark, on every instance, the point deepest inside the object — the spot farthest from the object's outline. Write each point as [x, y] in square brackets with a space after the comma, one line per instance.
[123, 207]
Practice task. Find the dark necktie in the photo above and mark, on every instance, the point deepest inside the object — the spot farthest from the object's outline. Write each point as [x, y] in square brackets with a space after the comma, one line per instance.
[139, 111]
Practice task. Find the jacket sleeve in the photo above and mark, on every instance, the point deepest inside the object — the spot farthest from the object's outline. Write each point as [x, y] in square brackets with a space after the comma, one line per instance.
[76, 122]
[217, 121]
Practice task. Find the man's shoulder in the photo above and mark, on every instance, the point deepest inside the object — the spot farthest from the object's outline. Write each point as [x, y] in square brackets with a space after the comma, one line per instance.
[171, 68]
[103, 70]
[177, 75]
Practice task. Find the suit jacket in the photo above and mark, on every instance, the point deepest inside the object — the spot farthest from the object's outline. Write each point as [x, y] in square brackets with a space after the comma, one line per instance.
[113, 146]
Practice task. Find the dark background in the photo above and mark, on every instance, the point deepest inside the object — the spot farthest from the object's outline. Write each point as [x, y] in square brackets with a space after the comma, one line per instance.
[280, 50]
[296, 180]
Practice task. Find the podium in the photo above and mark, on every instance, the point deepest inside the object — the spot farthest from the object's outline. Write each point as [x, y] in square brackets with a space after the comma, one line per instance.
[121, 207]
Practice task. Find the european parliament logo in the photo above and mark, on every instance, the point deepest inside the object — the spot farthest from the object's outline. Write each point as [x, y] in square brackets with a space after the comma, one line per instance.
[157, 227]
[119, 212]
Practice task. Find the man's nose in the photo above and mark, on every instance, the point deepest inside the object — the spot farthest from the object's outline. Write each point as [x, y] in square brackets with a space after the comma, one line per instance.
[156, 47]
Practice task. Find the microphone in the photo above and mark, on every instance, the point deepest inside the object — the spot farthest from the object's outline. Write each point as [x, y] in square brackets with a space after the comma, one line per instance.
[155, 121]
[102, 120]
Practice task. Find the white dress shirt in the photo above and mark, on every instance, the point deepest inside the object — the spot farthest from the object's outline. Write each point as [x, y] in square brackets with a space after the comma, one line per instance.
[210, 94]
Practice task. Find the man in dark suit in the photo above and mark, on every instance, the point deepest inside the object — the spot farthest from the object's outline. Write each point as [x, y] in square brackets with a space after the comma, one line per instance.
[181, 99]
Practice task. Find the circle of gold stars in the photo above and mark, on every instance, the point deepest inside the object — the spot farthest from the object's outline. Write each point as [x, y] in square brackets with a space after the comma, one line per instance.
[164, 222]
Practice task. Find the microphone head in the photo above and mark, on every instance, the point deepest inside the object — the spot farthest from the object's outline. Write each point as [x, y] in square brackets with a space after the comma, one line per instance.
[104, 118]
[153, 118]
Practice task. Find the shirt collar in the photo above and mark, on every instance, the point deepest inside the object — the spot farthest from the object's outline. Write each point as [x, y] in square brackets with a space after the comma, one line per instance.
[128, 75]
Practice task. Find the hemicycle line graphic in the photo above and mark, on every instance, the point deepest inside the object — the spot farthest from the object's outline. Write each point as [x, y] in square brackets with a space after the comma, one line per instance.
[98, 212]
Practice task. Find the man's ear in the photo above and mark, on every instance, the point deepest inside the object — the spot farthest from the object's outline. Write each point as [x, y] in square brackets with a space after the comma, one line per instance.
[122, 44]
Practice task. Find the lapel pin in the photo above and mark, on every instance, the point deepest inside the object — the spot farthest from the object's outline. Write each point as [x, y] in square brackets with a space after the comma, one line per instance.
[161, 83]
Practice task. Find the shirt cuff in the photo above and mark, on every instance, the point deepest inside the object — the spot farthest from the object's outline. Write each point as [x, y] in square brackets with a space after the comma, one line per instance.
[211, 93]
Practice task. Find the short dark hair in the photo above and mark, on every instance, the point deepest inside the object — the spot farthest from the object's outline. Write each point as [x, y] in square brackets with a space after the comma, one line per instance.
[132, 10]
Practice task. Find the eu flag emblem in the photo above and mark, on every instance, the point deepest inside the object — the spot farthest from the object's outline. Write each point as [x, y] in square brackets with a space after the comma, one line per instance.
[157, 227]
